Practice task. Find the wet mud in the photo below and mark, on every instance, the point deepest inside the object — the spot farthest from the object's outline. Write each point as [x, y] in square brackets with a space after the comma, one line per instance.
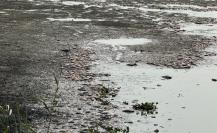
[108, 55]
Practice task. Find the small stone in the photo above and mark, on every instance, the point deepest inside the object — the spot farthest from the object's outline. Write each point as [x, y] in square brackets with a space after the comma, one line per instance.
[214, 80]
[107, 75]
[158, 85]
[156, 131]
[82, 89]
[153, 116]
[131, 64]
[155, 125]
[130, 122]
[167, 77]
[128, 111]
[145, 88]
[125, 102]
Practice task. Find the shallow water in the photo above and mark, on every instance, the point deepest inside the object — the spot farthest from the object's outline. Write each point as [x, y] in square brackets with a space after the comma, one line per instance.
[124, 41]
[69, 19]
[72, 3]
[208, 30]
[187, 102]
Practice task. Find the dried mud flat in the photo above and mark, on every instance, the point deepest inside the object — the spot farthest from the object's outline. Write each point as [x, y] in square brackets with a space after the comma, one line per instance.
[41, 40]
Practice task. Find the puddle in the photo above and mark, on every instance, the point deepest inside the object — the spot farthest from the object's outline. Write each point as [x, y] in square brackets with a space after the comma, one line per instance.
[187, 102]
[2, 12]
[118, 44]
[72, 3]
[69, 19]
[187, 6]
[189, 12]
[124, 41]
[204, 14]
[208, 30]
[121, 7]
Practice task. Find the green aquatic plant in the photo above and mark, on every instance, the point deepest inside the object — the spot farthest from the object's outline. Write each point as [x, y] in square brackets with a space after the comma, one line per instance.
[148, 107]
[110, 130]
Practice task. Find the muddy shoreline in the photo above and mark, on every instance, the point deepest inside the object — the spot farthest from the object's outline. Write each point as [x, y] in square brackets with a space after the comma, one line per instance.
[45, 42]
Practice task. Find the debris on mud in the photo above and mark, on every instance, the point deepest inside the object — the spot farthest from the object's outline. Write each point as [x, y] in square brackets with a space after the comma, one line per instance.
[76, 68]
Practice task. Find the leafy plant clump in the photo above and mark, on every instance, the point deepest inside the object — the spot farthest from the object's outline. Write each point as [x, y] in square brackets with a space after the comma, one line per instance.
[110, 130]
[103, 91]
[117, 130]
[150, 108]
[14, 120]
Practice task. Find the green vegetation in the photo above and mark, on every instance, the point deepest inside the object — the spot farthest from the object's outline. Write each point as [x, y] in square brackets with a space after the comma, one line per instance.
[110, 130]
[14, 120]
[103, 91]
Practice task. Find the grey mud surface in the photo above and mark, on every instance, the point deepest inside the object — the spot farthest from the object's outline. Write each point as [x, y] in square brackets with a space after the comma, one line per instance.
[33, 49]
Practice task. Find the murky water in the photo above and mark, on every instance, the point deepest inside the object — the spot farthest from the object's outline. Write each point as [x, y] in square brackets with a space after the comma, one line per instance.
[208, 30]
[121, 43]
[187, 102]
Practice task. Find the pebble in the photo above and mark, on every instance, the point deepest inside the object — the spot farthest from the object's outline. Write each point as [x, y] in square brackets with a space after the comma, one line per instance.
[128, 111]
[156, 131]
[214, 80]
[166, 77]
[131, 64]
